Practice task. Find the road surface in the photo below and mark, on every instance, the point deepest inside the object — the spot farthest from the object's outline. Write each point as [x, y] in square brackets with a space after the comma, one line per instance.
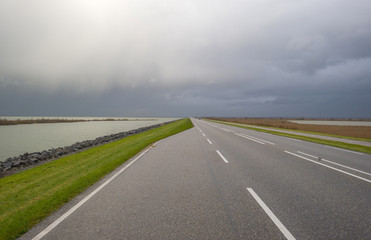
[222, 182]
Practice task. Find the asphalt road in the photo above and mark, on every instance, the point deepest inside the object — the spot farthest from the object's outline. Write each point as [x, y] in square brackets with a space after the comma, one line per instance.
[221, 182]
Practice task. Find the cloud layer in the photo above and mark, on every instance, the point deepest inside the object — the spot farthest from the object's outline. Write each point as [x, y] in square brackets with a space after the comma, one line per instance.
[237, 58]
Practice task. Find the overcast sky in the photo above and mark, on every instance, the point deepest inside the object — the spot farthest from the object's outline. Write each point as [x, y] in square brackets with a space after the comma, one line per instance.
[249, 58]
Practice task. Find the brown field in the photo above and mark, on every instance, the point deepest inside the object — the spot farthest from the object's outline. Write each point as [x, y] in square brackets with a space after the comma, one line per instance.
[348, 131]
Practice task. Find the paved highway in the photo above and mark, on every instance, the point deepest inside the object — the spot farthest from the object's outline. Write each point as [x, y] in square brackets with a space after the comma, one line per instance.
[221, 182]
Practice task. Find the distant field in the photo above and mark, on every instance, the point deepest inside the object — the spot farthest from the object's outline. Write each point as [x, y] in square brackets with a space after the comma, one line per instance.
[330, 122]
[347, 131]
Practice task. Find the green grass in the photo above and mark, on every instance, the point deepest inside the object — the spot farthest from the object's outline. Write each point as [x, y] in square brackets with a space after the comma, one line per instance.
[29, 196]
[353, 147]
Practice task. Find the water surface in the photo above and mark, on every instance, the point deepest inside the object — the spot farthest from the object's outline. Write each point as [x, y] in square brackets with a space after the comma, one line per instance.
[18, 139]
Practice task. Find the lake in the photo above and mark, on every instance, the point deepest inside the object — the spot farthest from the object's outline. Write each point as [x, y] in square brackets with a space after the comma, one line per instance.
[18, 139]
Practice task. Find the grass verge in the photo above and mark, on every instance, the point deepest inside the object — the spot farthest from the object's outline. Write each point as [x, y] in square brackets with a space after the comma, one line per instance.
[29, 196]
[353, 147]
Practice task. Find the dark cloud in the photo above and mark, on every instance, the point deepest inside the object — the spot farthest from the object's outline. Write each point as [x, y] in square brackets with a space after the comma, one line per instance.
[161, 58]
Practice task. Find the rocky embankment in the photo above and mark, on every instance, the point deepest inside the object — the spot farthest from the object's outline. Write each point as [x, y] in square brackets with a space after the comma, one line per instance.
[27, 160]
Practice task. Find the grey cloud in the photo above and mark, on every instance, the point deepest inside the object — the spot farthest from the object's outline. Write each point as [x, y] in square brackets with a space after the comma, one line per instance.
[204, 57]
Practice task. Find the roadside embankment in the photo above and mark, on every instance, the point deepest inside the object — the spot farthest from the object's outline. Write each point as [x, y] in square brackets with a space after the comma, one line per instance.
[26, 160]
[31, 195]
[362, 133]
[339, 143]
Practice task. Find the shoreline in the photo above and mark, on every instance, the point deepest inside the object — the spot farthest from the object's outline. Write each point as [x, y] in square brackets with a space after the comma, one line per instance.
[25, 161]
[7, 122]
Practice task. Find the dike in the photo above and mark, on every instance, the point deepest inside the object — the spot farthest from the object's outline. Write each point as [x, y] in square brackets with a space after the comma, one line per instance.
[25, 161]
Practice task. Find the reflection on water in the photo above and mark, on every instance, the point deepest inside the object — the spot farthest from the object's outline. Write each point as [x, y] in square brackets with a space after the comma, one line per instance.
[18, 139]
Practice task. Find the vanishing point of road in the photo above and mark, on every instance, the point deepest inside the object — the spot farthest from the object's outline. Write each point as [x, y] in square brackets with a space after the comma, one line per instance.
[222, 182]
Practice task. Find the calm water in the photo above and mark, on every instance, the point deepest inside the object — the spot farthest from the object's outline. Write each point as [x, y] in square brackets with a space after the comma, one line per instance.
[18, 139]
[339, 123]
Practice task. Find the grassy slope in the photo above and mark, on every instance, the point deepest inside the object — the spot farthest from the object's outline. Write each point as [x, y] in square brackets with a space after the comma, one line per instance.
[348, 146]
[29, 196]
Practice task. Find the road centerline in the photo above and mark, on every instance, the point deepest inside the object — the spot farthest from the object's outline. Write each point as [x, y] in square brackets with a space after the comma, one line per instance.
[271, 215]
[224, 159]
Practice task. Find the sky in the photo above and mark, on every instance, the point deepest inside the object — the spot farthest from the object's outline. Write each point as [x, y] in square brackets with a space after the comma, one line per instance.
[164, 58]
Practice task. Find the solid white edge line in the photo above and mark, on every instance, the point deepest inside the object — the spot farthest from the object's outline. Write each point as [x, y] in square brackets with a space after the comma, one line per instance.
[209, 141]
[338, 164]
[293, 139]
[226, 130]
[308, 155]
[249, 138]
[345, 150]
[341, 165]
[79, 204]
[258, 139]
[350, 174]
[271, 215]
[224, 159]
[74, 208]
